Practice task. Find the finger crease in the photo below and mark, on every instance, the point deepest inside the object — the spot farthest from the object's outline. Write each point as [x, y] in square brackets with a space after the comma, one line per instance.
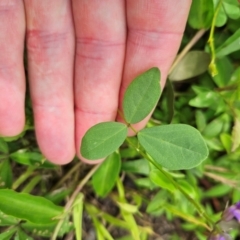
[91, 112]
[98, 42]
[44, 40]
[149, 39]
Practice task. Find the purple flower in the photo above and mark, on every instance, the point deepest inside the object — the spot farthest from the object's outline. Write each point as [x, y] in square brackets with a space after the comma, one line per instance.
[222, 236]
[230, 219]
[232, 213]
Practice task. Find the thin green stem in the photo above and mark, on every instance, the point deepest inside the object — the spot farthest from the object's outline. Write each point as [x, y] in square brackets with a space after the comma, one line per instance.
[34, 181]
[212, 66]
[128, 124]
[24, 176]
[176, 185]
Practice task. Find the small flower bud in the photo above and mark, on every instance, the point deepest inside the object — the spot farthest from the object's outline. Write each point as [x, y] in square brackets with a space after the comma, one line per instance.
[233, 212]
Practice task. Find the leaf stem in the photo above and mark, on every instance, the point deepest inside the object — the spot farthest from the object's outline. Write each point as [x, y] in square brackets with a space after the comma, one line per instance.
[176, 185]
[24, 176]
[128, 124]
[34, 181]
[212, 65]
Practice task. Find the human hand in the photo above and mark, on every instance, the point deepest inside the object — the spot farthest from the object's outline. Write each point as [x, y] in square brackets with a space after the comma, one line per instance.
[81, 57]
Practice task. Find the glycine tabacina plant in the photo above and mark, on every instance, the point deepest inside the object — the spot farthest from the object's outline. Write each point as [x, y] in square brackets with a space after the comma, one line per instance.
[31, 208]
[167, 147]
[174, 146]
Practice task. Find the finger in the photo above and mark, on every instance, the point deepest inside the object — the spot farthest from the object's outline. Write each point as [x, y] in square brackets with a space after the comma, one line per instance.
[155, 31]
[100, 48]
[12, 79]
[50, 45]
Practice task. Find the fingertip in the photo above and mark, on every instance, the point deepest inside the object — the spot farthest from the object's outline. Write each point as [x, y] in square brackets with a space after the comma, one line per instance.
[58, 158]
[88, 161]
[55, 133]
[56, 155]
[11, 122]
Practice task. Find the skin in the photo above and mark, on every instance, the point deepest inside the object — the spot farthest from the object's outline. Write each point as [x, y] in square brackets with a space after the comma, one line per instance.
[82, 55]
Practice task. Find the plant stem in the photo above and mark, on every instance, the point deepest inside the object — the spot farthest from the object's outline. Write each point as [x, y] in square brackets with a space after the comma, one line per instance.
[176, 185]
[128, 124]
[212, 66]
[67, 175]
[193, 41]
[23, 177]
[34, 181]
[72, 199]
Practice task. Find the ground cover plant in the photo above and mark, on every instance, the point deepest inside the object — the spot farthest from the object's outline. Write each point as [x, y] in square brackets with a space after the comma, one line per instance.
[180, 173]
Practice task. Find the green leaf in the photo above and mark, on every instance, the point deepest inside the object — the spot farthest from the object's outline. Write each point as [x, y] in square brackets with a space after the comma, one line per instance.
[236, 134]
[31, 159]
[46, 230]
[175, 147]
[188, 188]
[127, 207]
[218, 191]
[58, 195]
[6, 220]
[105, 177]
[226, 141]
[157, 202]
[142, 96]
[231, 8]
[216, 126]
[129, 153]
[221, 18]
[140, 166]
[103, 139]
[214, 144]
[207, 98]
[230, 45]
[200, 120]
[101, 232]
[106, 217]
[22, 236]
[7, 235]
[3, 146]
[5, 174]
[201, 14]
[161, 180]
[27, 207]
[193, 64]
[204, 98]
[78, 215]
[145, 183]
[235, 78]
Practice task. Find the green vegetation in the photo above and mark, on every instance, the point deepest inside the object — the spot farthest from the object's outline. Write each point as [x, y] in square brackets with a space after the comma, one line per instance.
[184, 166]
